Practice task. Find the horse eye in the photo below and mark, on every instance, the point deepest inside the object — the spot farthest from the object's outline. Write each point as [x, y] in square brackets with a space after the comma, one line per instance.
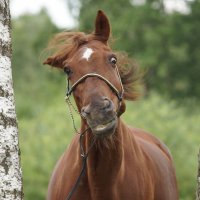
[67, 70]
[113, 60]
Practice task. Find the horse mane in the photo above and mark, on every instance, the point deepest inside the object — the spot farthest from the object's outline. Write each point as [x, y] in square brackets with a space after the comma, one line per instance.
[65, 44]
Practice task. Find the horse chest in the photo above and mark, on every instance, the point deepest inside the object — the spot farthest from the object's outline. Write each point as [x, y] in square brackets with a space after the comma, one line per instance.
[127, 190]
[114, 181]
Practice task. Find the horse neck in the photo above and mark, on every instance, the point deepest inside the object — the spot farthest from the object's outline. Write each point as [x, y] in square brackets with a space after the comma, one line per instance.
[109, 152]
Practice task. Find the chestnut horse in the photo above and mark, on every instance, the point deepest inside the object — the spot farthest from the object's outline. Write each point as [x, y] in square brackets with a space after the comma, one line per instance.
[123, 163]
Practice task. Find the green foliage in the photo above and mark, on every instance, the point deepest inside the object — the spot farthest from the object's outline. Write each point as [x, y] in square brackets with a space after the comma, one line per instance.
[167, 45]
[30, 35]
[43, 139]
[44, 124]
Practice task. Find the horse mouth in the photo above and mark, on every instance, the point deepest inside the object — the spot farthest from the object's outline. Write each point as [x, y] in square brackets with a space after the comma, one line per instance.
[107, 128]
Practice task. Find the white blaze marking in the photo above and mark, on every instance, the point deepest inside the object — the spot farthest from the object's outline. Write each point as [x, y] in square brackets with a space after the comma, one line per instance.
[87, 53]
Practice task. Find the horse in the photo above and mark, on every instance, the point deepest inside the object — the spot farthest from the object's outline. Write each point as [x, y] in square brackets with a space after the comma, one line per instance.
[109, 160]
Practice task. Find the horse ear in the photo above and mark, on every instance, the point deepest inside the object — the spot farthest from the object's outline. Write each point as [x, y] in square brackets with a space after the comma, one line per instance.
[102, 26]
[54, 61]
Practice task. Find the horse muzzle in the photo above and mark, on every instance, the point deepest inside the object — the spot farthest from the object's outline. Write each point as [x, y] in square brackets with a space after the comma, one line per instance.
[101, 116]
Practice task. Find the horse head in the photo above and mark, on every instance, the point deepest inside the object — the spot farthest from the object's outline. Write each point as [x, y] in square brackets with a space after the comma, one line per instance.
[98, 84]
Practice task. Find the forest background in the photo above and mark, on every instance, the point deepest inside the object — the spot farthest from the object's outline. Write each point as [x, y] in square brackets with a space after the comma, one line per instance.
[165, 45]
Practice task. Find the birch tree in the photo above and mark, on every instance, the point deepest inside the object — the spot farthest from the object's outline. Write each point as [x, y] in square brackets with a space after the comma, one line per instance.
[10, 171]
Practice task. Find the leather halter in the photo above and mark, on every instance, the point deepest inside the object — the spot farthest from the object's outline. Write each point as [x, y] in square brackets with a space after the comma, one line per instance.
[113, 88]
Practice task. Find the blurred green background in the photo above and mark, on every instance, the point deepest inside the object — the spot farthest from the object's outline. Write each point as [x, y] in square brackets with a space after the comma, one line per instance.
[166, 45]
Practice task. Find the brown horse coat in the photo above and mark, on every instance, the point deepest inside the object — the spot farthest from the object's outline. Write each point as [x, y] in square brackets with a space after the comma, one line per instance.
[129, 164]
[139, 168]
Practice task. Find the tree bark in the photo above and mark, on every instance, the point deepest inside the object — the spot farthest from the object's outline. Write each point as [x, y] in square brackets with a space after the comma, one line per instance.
[198, 179]
[10, 170]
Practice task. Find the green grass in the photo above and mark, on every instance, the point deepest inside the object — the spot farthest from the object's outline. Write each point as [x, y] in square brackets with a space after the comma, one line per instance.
[47, 130]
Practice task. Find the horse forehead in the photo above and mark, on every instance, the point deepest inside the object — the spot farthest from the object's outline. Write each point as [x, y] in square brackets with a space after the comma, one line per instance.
[86, 53]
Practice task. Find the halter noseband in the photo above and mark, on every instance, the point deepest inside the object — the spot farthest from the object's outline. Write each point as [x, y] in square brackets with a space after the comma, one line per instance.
[113, 88]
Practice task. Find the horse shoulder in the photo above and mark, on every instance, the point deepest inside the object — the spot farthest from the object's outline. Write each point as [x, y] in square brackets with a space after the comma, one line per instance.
[149, 138]
[65, 160]
[159, 162]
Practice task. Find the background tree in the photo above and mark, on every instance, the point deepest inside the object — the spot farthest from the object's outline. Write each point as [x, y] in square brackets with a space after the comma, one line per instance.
[10, 171]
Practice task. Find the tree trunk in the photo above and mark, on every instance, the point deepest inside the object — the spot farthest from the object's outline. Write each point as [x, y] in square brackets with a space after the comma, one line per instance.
[198, 179]
[10, 171]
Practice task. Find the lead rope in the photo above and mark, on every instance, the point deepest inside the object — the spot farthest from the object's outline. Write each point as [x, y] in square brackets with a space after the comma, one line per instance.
[83, 154]
[70, 106]
[84, 163]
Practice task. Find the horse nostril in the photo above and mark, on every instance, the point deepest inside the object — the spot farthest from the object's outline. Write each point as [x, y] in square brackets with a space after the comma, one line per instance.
[85, 111]
[107, 104]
